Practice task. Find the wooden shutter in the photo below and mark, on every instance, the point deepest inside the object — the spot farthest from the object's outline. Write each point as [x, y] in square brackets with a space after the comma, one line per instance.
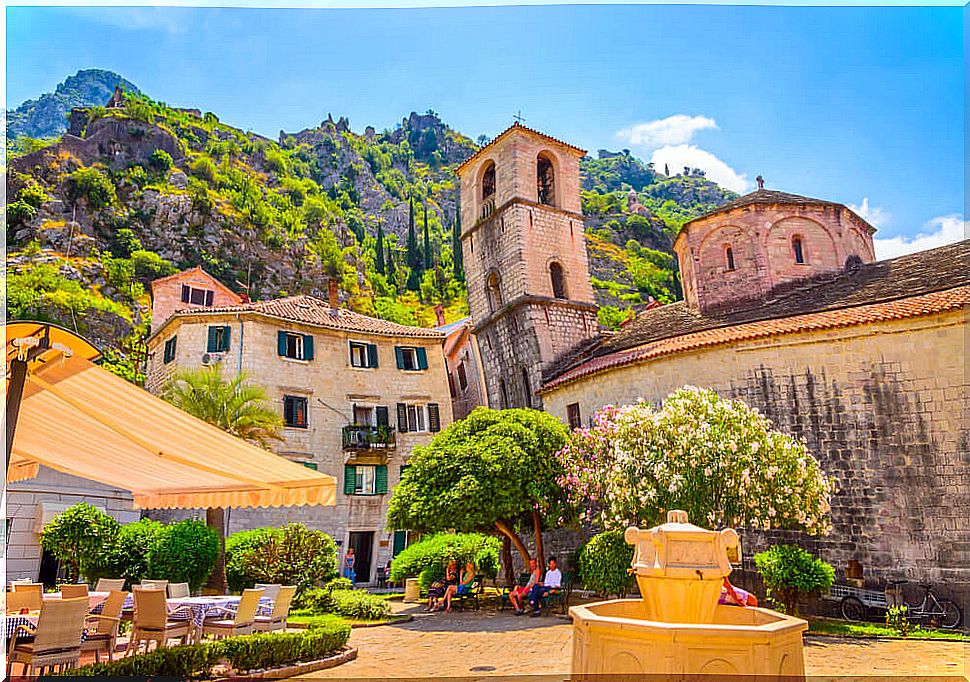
[281, 343]
[400, 541]
[383, 418]
[434, 418]
[185, 293]
[399, 354]
[422, 358]
[380, 479]
[350, 479]
[212, 345]
[208, 297]
[402, 418]
[372, 355]
[225, 338]
[308, 346]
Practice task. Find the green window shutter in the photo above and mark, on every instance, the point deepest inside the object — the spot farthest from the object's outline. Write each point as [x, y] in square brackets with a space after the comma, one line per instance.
[434, 417]
[422, 358]
[350, 479]
[310, 465]
[382, 417]
[308, 346]
[400, 541]
[399, 354]
[402, 418]
[372, 355]
[380, 479]
[281, 343]
[212, 344]
[225, 339]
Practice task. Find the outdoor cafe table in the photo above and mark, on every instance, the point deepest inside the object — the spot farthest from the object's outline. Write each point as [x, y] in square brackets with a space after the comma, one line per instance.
[197, 609]
[96, 600]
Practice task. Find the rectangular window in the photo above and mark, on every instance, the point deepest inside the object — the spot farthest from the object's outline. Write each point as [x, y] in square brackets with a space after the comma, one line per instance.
[363, 354]
[416, 418]
[170, 347]
[196, 296]
[295, 411]
[411, 359]
[218, 339]
[462, 378]
[363, 416]
[365, 479]
[451, 385]
[294, 346]
[574, 417]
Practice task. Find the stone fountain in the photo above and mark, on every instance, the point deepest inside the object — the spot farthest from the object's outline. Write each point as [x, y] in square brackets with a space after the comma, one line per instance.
[677, 627]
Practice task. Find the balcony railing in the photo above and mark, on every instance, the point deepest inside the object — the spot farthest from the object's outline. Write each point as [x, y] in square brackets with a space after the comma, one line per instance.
[368, 438]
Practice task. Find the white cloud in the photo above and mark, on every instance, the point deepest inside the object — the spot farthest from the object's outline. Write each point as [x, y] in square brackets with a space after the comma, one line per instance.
[168, 19]
[872, 214]
[942, 230]
[677, 129]
[678, 156]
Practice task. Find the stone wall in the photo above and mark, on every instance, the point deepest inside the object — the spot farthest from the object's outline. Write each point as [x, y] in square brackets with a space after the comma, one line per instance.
[883, 407]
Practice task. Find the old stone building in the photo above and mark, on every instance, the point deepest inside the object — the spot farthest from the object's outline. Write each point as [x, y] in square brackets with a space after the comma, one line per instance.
[192, 288]
[465, 379]
[787, 309]
[525, 259]
[356, 394]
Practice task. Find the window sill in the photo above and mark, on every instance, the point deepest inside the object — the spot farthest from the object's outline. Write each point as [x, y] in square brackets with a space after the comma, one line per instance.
[413, 371]
[297, 361]
[354, 367]
[295, 426]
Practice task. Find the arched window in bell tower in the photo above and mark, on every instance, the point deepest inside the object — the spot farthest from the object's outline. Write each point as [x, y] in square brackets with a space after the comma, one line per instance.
[488, 181]
[545, 180]
[493, 291]
[558, 277]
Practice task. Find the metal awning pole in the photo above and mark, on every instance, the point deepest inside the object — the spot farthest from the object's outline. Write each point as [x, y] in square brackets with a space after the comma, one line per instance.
[15, 388]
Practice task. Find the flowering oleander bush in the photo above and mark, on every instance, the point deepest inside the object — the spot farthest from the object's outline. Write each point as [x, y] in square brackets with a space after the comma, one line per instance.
[717, 459]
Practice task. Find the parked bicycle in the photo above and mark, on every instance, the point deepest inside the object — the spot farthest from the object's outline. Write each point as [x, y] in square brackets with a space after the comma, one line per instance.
[931, 610]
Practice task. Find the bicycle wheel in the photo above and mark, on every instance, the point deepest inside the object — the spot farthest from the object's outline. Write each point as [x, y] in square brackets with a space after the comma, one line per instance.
[952, 617]
[852, 609]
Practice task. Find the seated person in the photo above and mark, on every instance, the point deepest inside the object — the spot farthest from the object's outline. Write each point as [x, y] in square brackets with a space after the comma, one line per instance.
[518, 594]
[463, 587]
[551, 583]
[735, 596]
[438, 589]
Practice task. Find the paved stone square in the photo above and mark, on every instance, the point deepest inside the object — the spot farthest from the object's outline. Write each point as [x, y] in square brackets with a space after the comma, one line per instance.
[493, 644]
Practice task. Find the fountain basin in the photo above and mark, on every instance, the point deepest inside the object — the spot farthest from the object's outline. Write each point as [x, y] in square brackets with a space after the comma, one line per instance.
[616, 637]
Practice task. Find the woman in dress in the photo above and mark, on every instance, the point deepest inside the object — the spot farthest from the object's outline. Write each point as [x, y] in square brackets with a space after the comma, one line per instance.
[350, 562]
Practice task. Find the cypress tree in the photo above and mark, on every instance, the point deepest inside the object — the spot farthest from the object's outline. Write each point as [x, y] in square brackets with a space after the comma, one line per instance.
[427, 240]
[457, 257]
[413, 254]
[391, 268]
[379, 260]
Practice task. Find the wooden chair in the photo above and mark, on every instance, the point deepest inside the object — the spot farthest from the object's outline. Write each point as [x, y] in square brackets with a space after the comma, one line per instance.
[103, 627]
[151, 623]
[281, 610]
[69, 591]
[109, 584]
[154, 584]
[17, 601]
[243, 620]
[57, 638]
[269, 590]
[177, 590]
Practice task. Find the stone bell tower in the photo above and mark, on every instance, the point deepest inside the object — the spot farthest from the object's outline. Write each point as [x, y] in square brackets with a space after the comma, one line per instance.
[525, 260]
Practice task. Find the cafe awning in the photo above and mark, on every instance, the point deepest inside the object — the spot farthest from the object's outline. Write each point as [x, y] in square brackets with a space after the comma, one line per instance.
[82, 420]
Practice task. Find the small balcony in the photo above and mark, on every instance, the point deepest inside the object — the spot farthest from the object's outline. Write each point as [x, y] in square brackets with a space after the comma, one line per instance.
[379, 438]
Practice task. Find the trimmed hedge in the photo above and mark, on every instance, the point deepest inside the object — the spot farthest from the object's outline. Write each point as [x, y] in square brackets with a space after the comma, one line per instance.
[604, 564]
[360, 604]
[426, 559]
[249, 652]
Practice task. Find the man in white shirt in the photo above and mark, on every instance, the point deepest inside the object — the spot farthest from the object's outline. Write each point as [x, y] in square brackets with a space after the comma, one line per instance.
[550, 583]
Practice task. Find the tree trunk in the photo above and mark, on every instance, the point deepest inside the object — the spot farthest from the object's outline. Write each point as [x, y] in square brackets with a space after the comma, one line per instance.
[537, 529]
[215, 518]
[515, 539]
[507, 560]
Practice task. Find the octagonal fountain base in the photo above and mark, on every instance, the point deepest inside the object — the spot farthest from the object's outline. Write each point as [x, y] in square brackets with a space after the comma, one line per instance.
[615, 638]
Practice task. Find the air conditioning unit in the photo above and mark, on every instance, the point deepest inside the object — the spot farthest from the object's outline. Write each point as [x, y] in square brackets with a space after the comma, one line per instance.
[209, 359]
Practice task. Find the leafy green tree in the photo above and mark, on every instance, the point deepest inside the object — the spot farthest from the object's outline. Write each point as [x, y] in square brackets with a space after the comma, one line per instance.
[160, 160]
[79, 537]
[184, 552]
[129, 557]
[233, 405]
[491, 472]
[604, 564]
[291, 555]
[237, 545]
[379, 251]
[91, 185]
[791, 573]
[427, 558]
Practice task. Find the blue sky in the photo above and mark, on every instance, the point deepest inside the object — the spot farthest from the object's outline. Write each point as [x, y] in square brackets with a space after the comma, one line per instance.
[859, 105]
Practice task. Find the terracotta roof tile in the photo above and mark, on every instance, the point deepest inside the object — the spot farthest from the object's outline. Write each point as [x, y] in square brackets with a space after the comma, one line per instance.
[316, 312]
[767, 197]
[926, 304]
[518, 126]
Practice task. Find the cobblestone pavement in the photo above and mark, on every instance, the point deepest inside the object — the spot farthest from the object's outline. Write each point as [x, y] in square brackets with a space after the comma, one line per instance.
[496, 644]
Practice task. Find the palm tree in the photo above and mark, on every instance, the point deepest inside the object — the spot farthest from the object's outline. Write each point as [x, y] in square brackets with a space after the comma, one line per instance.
[233, 405]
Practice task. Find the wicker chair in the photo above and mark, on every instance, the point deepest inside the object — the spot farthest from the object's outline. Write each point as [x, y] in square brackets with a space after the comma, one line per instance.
[281, 610]
[177, 590]
[17, 601]
[242, 622]
[74, 591]
[109, 584]
[151, 623]
[154, 584]
[269, 590]
[57, 638]
[103, 627]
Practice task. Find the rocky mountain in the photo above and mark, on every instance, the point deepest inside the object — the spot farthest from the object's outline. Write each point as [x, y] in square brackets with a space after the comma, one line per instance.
[47, 115]
[132, 192]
